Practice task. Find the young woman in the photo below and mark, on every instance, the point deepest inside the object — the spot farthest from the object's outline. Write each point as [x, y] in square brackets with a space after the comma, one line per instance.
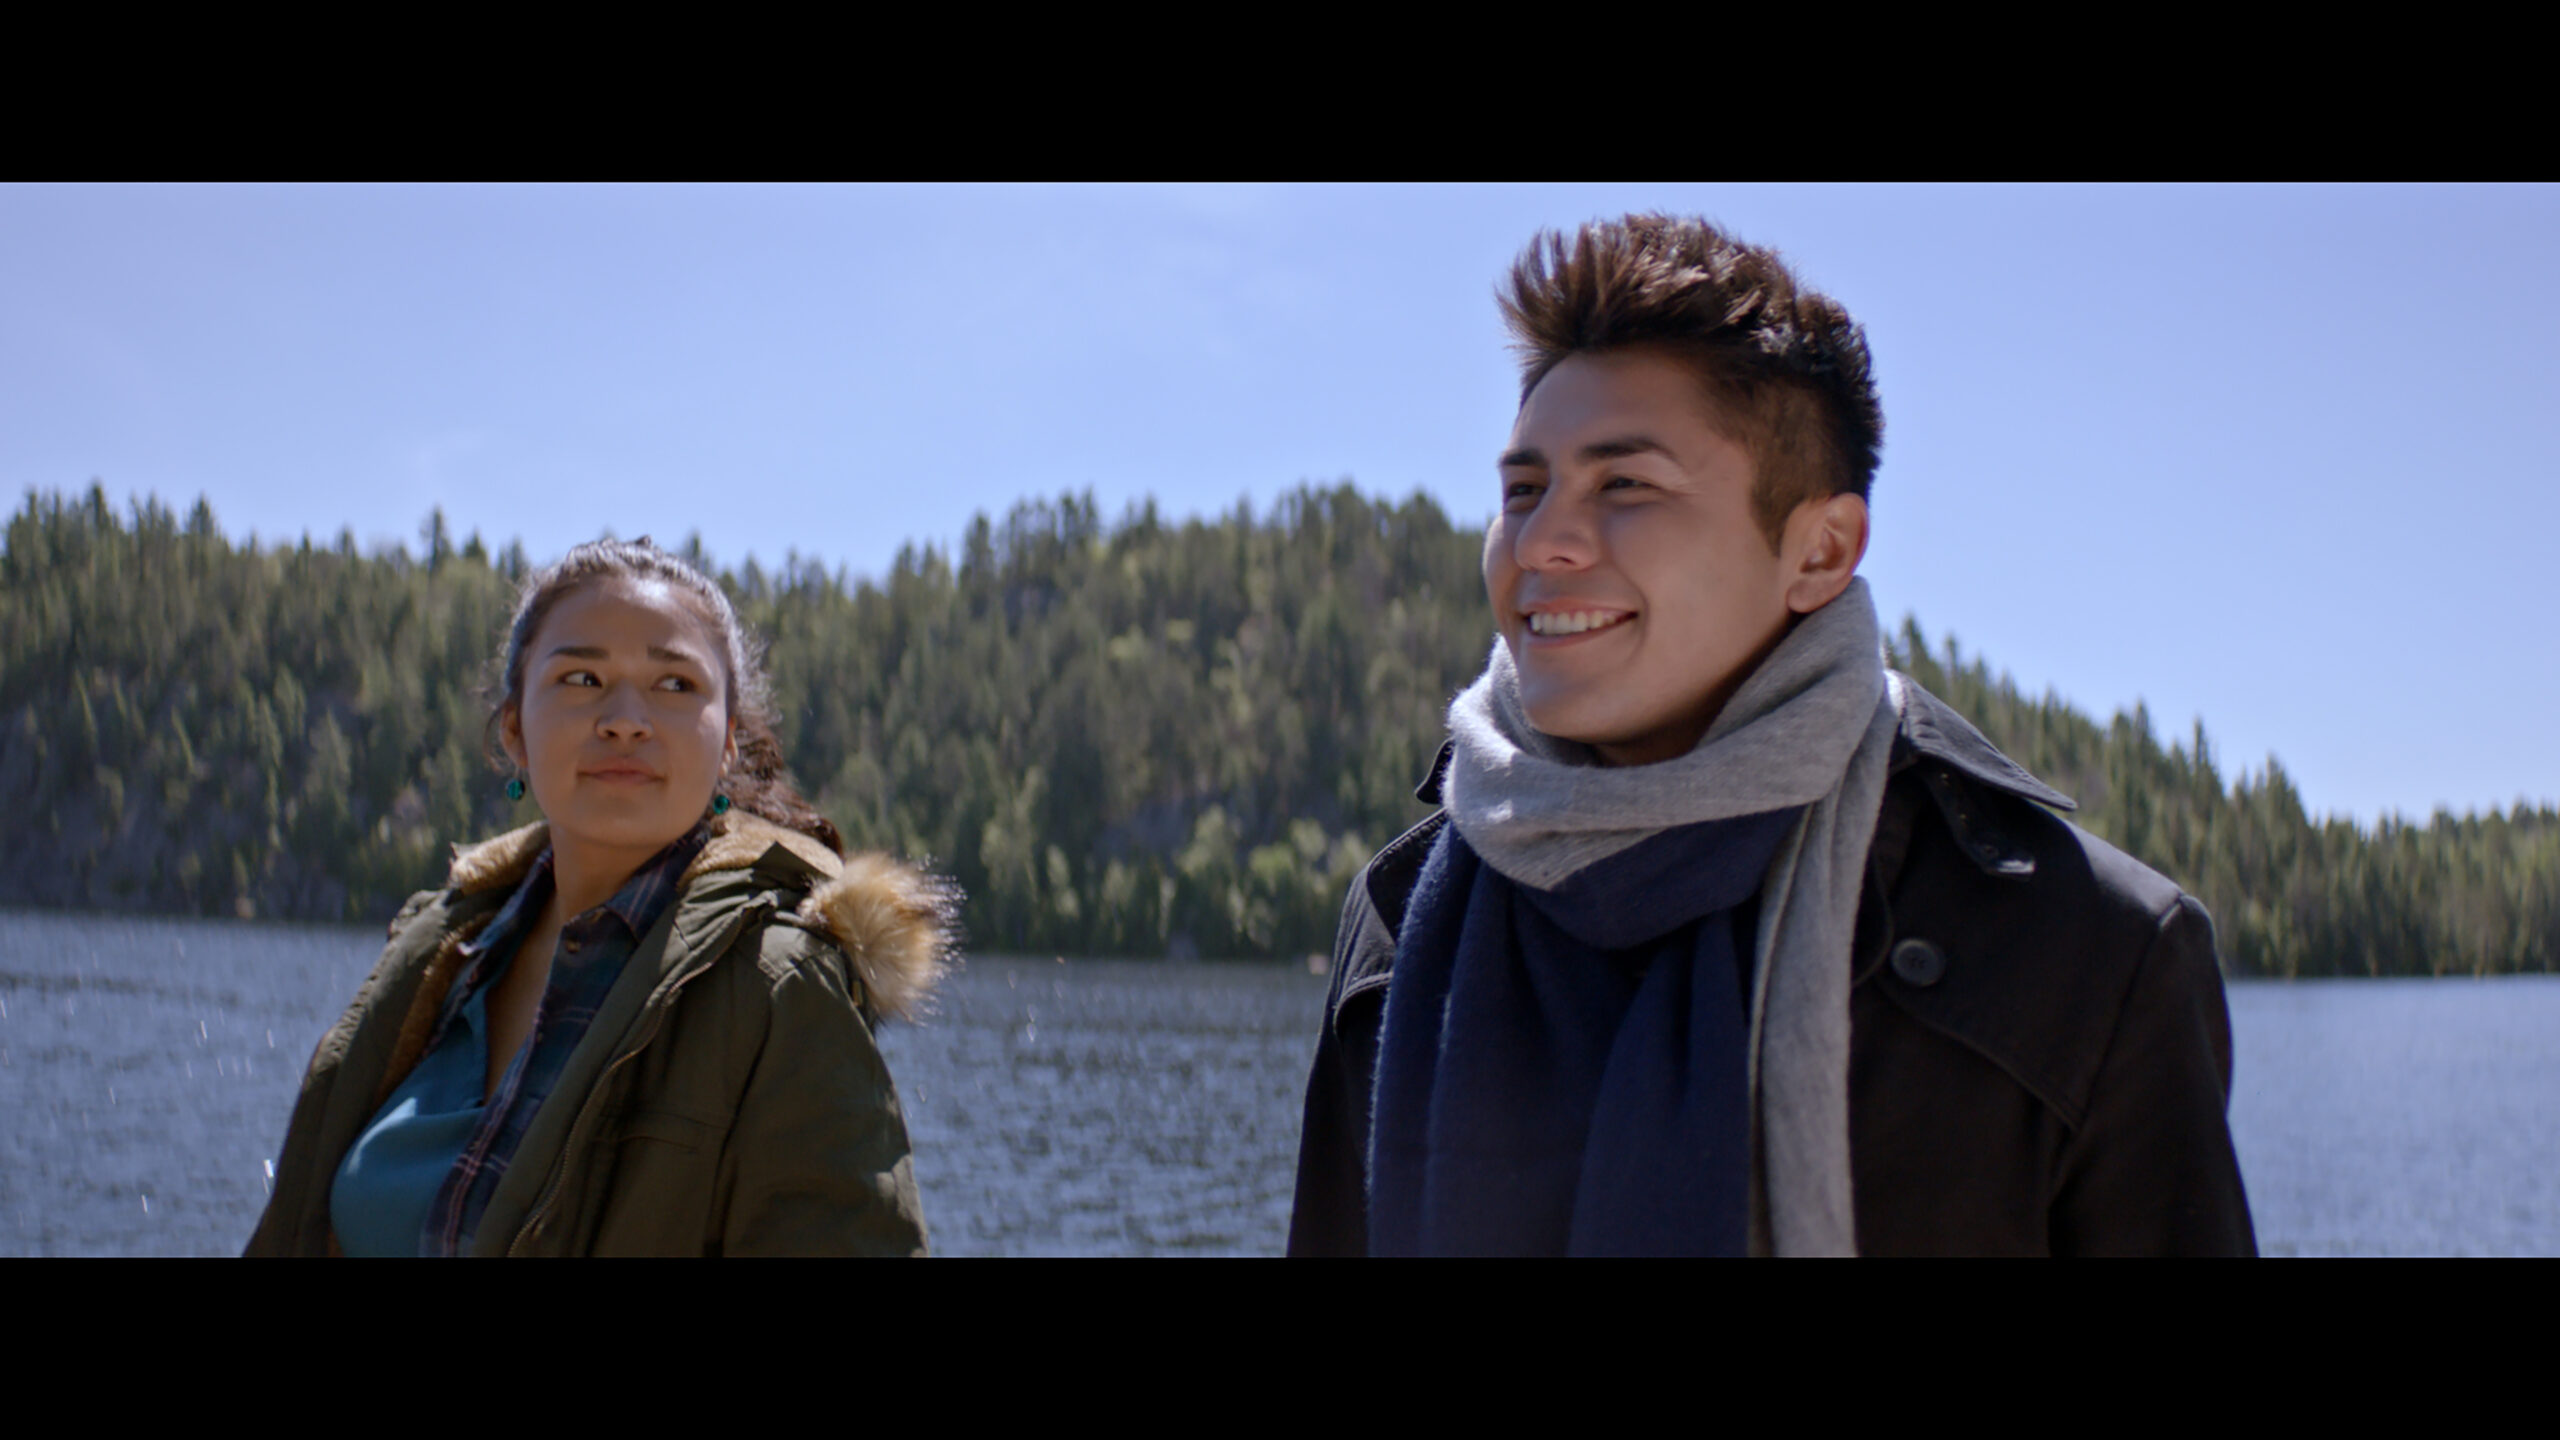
[642, 1026]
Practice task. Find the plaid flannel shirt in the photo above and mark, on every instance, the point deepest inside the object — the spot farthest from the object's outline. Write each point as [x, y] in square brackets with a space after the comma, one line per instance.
[592, 950]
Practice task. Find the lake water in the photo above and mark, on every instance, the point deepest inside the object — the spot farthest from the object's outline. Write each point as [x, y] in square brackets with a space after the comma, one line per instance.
[1129, 1108]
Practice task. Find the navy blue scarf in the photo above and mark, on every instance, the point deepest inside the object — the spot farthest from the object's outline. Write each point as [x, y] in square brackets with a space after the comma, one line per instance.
[1563, 1071]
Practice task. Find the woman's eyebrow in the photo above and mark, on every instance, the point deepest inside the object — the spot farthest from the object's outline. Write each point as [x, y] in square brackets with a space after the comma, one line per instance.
[598, 652]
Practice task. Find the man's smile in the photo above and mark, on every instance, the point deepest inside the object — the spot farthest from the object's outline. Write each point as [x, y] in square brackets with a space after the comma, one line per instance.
[1561, 623]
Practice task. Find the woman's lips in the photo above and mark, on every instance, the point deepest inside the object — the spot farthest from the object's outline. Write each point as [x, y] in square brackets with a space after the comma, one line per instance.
[619, 774]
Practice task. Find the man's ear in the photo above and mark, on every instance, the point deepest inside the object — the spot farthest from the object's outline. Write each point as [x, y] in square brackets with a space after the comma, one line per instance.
[1824, 541]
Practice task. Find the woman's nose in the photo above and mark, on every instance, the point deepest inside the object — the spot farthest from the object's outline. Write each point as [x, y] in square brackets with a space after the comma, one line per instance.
[624, 715]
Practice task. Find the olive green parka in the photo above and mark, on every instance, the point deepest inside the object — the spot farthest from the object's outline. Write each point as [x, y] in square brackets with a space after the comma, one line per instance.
[727, 1099]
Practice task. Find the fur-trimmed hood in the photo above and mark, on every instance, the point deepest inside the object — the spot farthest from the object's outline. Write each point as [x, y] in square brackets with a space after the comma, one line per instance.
[894, 922]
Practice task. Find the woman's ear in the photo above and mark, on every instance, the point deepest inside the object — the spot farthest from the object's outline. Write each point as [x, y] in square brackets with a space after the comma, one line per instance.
[511, 736]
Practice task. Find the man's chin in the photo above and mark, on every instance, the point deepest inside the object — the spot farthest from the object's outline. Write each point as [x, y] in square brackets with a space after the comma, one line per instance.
[1621, 739]
[1562, 719]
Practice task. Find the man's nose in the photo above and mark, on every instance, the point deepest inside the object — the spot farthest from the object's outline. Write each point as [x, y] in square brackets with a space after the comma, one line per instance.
[1557, 535]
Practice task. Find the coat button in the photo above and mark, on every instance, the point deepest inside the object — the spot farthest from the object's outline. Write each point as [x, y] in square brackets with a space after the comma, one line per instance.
[1918, 962]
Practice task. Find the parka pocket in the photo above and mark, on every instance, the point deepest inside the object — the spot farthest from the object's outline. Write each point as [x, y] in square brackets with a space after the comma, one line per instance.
[659, 1196]
[687, 1133]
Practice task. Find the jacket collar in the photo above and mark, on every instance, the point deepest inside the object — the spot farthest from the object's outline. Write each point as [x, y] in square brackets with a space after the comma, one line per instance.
[1933, 730]
[738, 841]
[893, 921]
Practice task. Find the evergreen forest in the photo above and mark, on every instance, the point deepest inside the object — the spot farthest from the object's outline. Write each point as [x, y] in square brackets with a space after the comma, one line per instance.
[1124, 737]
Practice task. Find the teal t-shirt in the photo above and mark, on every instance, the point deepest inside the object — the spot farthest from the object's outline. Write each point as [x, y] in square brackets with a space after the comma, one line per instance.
[390, 1177]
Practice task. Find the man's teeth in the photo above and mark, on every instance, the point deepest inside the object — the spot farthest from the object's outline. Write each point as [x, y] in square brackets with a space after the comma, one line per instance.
[1573, 622]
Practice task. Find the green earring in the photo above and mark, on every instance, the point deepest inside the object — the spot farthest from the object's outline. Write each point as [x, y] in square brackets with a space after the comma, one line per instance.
[515, 787]
[719, 804]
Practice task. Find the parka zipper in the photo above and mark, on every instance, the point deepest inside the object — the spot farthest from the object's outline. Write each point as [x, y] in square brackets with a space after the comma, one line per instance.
[758, 909]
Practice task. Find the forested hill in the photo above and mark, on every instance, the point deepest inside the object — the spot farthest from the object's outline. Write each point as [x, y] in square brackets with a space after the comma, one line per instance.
[1130, 737]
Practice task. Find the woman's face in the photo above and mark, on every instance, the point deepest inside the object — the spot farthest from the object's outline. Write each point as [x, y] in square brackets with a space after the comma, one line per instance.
[623, 730]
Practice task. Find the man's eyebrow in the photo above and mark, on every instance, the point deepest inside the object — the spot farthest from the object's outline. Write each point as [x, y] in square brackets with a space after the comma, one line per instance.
[1622, 446]
[1531, 457]
[660, 652]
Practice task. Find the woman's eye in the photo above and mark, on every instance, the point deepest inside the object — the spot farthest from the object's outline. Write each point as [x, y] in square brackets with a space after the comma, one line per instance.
[676, 683]
[580, 677]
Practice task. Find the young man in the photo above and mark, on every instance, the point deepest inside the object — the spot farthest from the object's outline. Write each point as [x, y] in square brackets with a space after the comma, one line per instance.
[1725, 940]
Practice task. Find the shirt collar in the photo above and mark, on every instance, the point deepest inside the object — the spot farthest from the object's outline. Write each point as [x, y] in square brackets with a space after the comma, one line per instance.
[644, 896]
[530, 893]
[637, 904]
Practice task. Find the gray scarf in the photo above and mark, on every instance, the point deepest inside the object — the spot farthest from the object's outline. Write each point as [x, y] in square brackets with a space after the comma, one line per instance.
[1813, 726]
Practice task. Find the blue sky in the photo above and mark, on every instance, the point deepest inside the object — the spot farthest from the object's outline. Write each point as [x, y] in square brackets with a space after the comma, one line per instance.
[2278, 457]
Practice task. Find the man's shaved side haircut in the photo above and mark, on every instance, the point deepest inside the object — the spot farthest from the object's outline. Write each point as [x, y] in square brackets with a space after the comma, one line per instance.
[1786, 366]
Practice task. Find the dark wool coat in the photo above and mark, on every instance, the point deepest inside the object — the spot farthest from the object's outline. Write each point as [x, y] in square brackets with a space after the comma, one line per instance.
[2040, 1056]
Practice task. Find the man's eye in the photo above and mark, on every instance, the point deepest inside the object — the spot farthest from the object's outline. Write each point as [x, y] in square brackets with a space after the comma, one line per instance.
[1621, 482]
[1519, 494]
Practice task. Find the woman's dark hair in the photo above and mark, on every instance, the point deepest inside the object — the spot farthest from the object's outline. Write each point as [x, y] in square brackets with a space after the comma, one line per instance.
[761, 782]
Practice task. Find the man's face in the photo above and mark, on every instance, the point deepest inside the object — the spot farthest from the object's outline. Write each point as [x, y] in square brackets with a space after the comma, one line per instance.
[1627, 575]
